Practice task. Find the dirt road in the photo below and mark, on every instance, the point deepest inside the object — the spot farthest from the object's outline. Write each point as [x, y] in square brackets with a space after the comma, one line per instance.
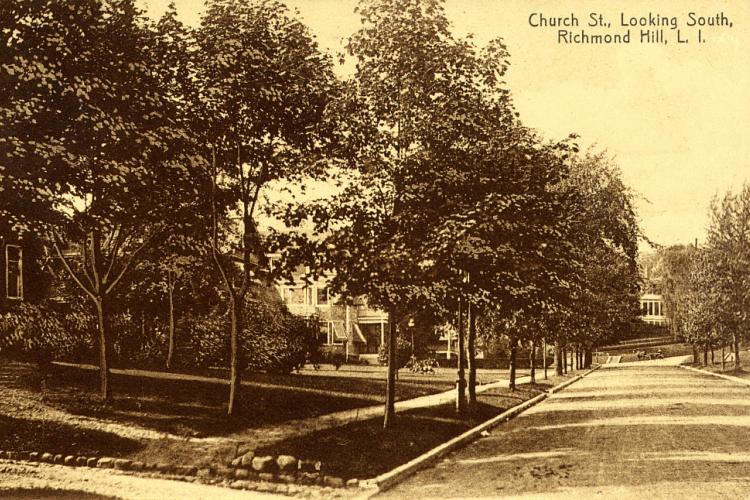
[43, 481]
[628, 432]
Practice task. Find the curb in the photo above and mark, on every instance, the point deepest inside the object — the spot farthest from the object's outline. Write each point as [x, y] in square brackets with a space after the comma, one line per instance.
[389, 479]
[731, 378]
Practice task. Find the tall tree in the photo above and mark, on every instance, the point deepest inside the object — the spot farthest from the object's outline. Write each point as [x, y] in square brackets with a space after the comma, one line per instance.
[263, 90]
[110, 161]
[729, 243]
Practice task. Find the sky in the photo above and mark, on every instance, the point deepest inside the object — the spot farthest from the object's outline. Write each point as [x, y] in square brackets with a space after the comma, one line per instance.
[673, 116]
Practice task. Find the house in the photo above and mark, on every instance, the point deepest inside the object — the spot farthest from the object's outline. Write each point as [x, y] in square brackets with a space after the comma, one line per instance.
[354, 329]
[653, 311]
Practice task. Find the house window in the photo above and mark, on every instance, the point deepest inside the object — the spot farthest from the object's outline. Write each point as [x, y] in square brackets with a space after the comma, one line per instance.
[13, 272]
[324, 332]
[336, 333]
[321, 296]
[295, 296]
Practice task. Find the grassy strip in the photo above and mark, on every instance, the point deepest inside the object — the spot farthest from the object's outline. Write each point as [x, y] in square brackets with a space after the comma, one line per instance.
[364, 450]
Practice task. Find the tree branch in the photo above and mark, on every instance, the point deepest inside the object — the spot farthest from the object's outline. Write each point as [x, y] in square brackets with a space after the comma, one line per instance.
[129, 262]
[215, 225]
[113, 254]
[56, 244]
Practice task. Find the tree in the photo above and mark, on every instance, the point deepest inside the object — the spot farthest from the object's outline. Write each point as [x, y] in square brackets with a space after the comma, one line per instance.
[729, 243]
[107, 161]
[676, 262]
[263, 88]
[605, 242]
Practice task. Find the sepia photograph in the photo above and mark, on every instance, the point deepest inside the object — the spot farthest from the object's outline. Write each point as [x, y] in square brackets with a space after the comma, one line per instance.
[357, 249]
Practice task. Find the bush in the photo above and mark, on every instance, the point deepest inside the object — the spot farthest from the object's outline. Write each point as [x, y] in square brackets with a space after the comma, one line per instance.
[403, 352]
[37, 333]
[426, 365]
[278, 341]
[273, 340]
[328, 357]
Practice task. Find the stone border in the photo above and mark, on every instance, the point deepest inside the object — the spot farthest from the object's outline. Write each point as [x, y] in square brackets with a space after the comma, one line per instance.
[236, 478]
[732, 378]
[389, 479]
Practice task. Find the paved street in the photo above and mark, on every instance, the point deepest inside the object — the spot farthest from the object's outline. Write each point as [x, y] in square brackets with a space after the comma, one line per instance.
[623, 432]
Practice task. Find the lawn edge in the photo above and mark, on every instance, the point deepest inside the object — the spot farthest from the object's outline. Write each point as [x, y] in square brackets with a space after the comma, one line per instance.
[731, 378]
[391, 478]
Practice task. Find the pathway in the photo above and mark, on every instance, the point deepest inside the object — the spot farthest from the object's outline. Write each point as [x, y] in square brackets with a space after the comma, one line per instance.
[639, 431]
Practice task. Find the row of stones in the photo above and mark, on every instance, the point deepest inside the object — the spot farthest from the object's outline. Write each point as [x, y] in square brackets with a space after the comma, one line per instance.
[307, 476]
[285, 468]
[99, 462]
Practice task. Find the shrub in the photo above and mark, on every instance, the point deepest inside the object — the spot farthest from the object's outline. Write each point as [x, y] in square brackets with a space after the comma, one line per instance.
[273, 339]
[37, 333]
[278, 341]
[426, 365]
[403, 352]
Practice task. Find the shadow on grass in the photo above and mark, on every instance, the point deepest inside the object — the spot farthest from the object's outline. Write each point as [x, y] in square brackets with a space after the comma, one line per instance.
[54, 437]
[364, 449]
[185, 408]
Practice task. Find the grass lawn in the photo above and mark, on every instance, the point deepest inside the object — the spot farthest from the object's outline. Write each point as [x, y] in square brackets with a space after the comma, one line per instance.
[196, 409]
[743, 372]
[364, 450]
[668, 350]
[190, 409]
[54, 437]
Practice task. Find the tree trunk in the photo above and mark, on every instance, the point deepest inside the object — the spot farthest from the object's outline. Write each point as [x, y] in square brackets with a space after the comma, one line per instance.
[695, 354]
[712, 356]
[544, 357]
[512, 379]
[588, 358]
[102, 315]
[460, 363]
[722, 356]
[532, 367]
[472, 358]
[572, 357]
[705, 355]
[736, 345]
[234, 362]
[565, 360]
[170, 292]
[558, 359]
[390, 390]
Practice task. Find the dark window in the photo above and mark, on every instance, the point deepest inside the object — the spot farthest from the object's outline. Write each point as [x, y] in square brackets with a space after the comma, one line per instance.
[13, 272]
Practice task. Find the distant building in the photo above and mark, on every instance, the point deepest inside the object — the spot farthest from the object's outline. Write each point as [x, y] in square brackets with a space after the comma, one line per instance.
[653, 311]
[354, 329]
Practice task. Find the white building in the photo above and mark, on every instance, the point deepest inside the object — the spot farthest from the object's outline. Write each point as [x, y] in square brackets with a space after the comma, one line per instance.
[652, 309]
